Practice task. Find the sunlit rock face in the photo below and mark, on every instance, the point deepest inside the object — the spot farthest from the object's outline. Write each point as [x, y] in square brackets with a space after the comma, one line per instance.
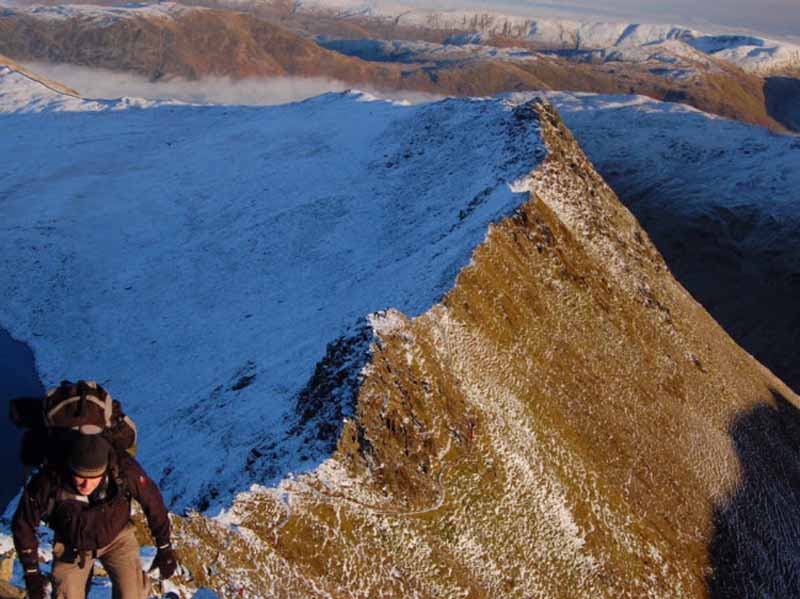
[567, 422]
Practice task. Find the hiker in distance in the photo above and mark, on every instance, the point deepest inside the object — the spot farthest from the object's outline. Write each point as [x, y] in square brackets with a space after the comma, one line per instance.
[86, 500]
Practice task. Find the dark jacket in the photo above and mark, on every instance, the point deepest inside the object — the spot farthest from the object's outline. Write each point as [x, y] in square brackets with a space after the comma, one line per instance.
[87, 523]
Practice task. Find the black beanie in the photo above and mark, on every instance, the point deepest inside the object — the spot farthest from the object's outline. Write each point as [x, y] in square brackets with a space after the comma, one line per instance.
[88, 456]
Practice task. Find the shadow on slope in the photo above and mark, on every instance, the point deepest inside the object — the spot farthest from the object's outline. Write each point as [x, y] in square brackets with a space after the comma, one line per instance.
[755, 551]
[17, 377]
[740, 262]
[782, 96]
[717, 198]
[320, 408]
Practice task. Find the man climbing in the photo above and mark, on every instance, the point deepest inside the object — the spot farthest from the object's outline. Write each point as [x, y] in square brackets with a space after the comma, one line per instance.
[87, 503]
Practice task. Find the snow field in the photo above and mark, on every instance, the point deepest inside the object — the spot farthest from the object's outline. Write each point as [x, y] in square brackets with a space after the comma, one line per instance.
[211, 253]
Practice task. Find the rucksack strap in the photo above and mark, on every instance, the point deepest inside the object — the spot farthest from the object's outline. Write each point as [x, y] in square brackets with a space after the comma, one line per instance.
[119, 480]
[132, 425]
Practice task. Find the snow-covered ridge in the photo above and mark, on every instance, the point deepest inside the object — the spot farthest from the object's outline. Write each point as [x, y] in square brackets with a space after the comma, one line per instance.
[750, 52]
[20, 93]
[226, 247]
[103, 14]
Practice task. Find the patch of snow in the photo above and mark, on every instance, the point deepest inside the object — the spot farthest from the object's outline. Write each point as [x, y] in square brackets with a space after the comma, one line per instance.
[6, 543]
[21, 94]
[386, 323]
[761, 57]
[105, 15]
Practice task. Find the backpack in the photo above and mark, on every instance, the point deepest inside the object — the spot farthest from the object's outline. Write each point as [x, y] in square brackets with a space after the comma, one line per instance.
[71, 409]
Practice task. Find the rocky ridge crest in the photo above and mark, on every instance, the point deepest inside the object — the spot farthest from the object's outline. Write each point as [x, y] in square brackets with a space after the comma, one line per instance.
[567, 422]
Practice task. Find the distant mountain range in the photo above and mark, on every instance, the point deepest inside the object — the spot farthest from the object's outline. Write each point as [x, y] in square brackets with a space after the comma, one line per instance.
[739, 77]
[604, 41]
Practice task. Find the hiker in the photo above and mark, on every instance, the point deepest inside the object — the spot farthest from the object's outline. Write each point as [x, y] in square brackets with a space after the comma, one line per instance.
[86, 500]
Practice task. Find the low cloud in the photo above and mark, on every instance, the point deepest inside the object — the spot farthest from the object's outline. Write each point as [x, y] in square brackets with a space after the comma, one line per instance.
[105, 84]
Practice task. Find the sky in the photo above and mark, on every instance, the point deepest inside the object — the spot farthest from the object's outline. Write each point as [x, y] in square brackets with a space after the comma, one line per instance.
[773, 17]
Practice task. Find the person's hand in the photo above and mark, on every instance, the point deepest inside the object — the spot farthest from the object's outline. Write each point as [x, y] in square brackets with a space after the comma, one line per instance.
[34, 584]
[165, 562]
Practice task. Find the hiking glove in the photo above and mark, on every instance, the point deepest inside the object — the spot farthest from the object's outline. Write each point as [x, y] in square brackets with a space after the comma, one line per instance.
[165, 561]
[34, 583]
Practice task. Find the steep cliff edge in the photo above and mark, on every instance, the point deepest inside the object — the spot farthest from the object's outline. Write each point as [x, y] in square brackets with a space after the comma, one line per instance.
[567, 422]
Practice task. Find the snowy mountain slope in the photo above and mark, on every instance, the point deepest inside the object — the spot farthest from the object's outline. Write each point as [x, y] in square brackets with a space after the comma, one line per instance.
[103, 14]
[225, 247]
[721, 201]
[753, 54]
[21, 93]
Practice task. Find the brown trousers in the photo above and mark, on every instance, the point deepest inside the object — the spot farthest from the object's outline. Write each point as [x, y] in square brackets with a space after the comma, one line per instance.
[120, 559]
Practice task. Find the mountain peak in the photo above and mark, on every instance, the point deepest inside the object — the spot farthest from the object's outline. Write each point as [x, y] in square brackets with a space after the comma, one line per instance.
[566, 419]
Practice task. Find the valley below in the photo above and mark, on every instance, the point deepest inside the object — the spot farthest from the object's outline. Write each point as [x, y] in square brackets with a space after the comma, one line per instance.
[19, 378]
